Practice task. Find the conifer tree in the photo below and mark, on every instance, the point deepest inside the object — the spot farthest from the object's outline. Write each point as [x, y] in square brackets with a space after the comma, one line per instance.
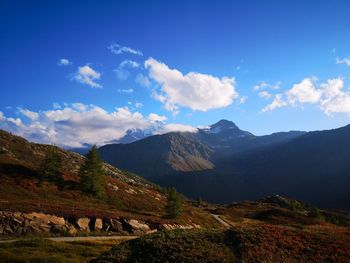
[50, 167]
[92, 176]
[174, 203]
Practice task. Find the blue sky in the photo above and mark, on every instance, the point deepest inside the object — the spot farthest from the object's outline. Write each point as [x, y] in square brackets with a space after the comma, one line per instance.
[295, 53]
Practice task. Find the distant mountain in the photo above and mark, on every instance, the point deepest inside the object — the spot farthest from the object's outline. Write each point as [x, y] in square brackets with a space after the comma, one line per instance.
[130, 136]
[160, 154]
[226, 138]
[174, 152]
[222, 134]
[313, 167]
[222, 163]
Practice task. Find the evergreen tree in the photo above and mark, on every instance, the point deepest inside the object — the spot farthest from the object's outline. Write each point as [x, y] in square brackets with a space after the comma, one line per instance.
[174, 203]
[50, 167]
[92, 176]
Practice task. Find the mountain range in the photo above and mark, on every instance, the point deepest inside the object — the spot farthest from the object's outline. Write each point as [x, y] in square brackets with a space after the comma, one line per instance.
[264, 230]
[222, 163]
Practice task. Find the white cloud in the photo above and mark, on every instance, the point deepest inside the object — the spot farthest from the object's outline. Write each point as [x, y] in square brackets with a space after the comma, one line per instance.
[304, 92]
[264, 85]
[29, 114]
[276, 103]
[125, 91]
[143, 80]
[242, 99]
[64, 62]
[118, 49]
[330, 96]
[138, 105]
[129, 63]
[335, 99]
[74, 125]
[345, 61]
[56, 105]
[122, 72]
[199, 92]
[155, 117]
[176, 127]
[87, 75]
[264, 94]
[15, 121]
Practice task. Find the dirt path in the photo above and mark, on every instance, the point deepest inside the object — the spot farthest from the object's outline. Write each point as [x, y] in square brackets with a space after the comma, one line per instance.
[73, 239]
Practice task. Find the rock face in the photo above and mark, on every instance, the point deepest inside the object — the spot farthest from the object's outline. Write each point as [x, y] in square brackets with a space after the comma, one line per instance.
[16, 224]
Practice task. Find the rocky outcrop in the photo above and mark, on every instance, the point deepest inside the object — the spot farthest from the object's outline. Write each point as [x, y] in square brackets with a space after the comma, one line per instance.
[16, 224]
[22, 223]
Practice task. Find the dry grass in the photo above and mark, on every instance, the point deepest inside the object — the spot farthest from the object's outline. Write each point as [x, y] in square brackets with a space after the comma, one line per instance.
[41, 250]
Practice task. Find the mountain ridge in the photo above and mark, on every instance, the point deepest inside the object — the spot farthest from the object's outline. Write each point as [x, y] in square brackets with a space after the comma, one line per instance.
[250, 167]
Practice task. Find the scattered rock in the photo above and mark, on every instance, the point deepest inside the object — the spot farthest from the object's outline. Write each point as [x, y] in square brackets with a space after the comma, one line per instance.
[177, 226]
[114, 187]
[130, 191]
[83, 224]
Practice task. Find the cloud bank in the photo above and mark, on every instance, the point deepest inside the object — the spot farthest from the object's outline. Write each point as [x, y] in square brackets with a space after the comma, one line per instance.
[199, 92]
[330, 96]
[77, 124]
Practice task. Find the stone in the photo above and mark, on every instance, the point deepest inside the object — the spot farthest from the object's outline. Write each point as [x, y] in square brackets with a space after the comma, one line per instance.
[98, 224]
[47, 218]
[151, 231]
[71, 230]
[136, 225]
[57, 220]
[116, 225]
[83, 223]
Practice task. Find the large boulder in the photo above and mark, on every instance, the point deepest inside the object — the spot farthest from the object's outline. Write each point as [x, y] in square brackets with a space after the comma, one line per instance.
[98, 224]
[136, 227]
[83, 224]
[50, 219]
